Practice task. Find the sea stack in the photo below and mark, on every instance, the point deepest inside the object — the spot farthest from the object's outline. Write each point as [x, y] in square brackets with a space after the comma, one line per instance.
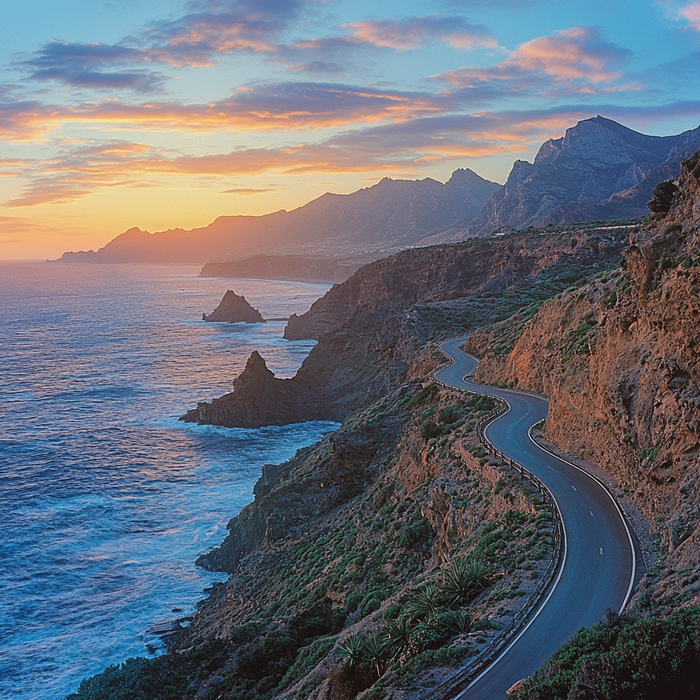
[234, 309]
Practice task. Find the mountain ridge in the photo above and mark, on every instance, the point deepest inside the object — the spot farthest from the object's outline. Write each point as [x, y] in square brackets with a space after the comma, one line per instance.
[391, 213]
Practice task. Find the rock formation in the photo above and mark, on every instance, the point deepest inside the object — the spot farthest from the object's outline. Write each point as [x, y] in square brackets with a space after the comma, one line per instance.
[234, 309]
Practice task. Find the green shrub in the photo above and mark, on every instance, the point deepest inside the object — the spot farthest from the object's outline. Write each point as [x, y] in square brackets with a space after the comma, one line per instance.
[430, 429]
[626, 659]
[449, 415]
[662, 197]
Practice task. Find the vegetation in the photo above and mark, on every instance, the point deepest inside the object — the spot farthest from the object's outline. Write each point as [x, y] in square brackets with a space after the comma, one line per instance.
[663, 197]
[356, 550]
[625, 658]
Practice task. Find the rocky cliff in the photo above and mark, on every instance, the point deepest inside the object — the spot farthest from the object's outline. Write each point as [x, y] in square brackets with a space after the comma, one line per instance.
[598, 170]
[371, 329]
[618, 359]
[338, 545]
[234, 309]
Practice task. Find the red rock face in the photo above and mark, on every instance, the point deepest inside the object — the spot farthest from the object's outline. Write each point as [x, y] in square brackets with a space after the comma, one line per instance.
[623, 375]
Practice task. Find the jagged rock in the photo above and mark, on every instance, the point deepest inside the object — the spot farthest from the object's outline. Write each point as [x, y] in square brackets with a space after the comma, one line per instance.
[234, 309]
[598, 170]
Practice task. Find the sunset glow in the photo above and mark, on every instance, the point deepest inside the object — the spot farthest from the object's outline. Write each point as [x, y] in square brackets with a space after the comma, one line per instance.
[121, 113]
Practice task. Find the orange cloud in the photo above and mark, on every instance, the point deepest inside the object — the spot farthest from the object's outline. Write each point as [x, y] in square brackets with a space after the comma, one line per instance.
[412, 32]
[277, 107]
[84, 169]
[576, 58]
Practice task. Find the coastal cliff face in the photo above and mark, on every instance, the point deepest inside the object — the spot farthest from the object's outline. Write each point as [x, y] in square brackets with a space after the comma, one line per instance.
[372, 328]
[619, 360]
[339, 536]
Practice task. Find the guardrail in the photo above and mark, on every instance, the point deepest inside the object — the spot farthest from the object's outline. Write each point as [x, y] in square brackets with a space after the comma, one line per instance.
[464, 677]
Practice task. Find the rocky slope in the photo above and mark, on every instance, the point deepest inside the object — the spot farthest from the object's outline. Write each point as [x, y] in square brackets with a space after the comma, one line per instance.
[618, 359]
[370, 327]
[341, 544]
[392, 213]
[598, 170]
[234, 309]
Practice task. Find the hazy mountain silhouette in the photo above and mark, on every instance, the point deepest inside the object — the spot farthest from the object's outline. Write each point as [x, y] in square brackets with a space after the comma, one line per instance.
[392, 213]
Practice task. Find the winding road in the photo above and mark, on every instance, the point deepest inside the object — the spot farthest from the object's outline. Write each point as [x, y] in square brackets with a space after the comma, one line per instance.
[599, 563]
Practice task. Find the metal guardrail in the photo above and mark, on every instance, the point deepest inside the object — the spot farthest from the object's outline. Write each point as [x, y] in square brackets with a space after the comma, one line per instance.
[463, 678]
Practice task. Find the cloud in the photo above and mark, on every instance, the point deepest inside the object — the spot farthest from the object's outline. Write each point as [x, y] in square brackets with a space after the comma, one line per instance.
[85, 168]
[576, 60]
[205, 32]
[401, 146]
[229, 26]
[78, 64]
[412, 32]
[246, 190]
[691, 13]
[277, 106]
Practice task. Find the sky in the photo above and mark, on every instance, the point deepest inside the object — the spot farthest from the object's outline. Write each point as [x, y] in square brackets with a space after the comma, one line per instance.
[169, 113]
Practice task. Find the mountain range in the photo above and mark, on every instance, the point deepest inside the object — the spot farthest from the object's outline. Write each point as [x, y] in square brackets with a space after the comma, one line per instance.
[391, 214]
[599, 170]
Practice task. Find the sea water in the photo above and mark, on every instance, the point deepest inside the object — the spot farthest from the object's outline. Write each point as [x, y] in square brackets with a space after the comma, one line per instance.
[106, 499]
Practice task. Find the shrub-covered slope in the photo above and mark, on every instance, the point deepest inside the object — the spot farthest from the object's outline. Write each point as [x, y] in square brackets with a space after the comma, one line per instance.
[385, 556]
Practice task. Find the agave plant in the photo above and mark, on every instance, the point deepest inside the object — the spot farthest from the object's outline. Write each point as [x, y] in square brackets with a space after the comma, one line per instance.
[398, 636]
[374, 652]
[424, 603]
[457, 621]
[352, 650]
[463, 579]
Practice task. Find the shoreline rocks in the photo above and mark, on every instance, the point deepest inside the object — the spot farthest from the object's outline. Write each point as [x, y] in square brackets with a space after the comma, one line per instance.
[234, 309]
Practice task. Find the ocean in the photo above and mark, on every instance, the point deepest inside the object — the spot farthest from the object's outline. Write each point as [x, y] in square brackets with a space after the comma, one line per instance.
[106, 499]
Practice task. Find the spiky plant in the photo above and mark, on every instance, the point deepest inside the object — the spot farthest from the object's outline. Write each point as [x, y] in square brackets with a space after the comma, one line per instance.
[424, 603]
[457, 621]
[375, 652]
[398, 636]
[465, 578]
[352, 650]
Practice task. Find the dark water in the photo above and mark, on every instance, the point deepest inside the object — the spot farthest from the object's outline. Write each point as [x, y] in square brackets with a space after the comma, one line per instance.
[105, 498]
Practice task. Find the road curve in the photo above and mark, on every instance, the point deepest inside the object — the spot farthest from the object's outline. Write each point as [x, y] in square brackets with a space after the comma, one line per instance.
[599, 563]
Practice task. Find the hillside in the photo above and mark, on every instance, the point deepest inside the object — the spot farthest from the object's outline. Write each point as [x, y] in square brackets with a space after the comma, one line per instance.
[390, 214]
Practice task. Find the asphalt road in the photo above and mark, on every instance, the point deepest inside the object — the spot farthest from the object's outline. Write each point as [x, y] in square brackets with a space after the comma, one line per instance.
[599, 561]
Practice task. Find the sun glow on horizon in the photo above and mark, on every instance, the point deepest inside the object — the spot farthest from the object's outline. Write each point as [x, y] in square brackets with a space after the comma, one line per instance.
[172, 116]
